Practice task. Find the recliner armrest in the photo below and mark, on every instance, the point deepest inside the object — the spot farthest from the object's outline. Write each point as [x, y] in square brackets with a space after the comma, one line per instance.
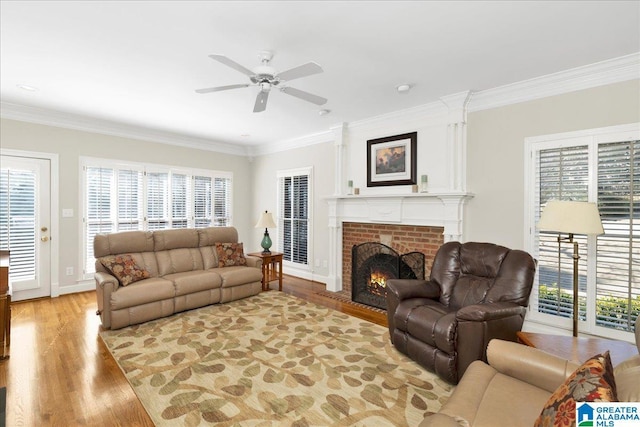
[103, 279]
[528, 364]
[490, 311]
[413, 288]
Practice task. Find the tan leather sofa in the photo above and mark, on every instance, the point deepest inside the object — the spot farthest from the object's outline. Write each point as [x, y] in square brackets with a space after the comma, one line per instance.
[513, 388]
[183, 269]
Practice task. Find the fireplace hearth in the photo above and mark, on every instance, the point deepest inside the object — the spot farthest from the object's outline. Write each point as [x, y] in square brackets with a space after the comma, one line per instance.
[373, 264]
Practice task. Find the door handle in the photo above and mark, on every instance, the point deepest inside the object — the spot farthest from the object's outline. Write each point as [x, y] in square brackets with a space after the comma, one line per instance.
[43, 229]
[44, 239]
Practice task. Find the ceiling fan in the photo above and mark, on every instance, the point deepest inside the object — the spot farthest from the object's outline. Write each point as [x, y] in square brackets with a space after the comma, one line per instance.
[267, 78]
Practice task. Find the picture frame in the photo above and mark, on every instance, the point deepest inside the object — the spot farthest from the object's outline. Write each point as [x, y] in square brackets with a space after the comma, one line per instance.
[392, 160]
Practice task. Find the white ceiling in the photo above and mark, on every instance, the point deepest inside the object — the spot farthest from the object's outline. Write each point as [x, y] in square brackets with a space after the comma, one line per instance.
[138, 63]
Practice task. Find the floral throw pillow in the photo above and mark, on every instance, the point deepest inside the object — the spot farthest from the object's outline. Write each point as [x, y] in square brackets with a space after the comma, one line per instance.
[591, 382]
[230, 254]
[125, 269]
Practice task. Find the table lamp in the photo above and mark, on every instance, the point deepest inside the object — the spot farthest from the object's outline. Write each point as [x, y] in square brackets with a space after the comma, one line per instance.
[266, 221]
[572, 218]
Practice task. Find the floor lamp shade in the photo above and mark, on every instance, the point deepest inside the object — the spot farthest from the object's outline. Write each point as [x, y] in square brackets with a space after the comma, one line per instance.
[573, 218]
[266, 222]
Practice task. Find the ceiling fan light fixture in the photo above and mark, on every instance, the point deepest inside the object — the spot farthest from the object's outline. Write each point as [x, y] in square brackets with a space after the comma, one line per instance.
[265, 86]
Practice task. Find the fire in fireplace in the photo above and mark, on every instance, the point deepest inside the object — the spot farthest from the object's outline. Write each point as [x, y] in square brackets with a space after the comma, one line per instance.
[373, 264]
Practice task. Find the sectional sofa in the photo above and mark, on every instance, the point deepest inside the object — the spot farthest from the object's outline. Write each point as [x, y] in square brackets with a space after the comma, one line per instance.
[145, 275]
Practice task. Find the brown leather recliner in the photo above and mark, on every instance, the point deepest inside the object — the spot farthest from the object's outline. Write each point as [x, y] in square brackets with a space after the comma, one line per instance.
[476, 292]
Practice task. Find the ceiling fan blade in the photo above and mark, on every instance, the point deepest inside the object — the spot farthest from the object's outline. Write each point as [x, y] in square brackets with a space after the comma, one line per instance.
[219, 88]
[318, 100]
[261, 102]
[300, 71]
[233, 64]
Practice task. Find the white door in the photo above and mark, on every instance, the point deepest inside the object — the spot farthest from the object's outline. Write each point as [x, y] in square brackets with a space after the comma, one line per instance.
[25, 223]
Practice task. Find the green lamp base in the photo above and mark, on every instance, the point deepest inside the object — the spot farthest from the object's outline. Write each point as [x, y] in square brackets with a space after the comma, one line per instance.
[266, 242]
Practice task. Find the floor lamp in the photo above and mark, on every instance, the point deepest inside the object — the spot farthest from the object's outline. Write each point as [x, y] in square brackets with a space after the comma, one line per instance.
[572, 218]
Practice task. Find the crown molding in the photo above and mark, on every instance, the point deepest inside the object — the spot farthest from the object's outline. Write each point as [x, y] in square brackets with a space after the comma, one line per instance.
[90, 124]
[599, 74]
[290, 144]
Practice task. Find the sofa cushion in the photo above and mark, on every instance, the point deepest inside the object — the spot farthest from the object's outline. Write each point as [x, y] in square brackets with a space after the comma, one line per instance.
[122, 243]
[593, 381]
[230, 254]
[175, 238]
[124, 268]
[627, 376]
[179, 260]
[238, 275]
[142, 292]
[211, 235]
[190, 282]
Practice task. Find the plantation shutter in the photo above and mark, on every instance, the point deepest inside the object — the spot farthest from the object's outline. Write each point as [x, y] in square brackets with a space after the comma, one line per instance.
[17, 221]
[179, 192]
[618, 275]
[222, 201]
[98, 216]
[562, 174]
[157, 200]
[294, 218]
[129, 200]
[202, 201]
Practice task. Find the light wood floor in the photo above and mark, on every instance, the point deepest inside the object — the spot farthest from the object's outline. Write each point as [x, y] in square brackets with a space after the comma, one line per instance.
[61, 374]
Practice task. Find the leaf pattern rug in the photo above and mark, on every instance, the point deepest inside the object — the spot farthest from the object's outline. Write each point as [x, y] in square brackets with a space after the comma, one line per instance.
[272, 360]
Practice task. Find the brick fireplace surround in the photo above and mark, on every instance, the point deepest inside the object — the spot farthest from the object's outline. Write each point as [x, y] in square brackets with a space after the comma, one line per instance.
[401, 238]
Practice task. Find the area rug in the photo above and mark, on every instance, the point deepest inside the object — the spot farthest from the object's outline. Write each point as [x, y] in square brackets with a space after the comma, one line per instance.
[272, 360]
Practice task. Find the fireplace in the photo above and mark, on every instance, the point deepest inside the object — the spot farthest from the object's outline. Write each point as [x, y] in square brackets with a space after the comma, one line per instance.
[373, 264]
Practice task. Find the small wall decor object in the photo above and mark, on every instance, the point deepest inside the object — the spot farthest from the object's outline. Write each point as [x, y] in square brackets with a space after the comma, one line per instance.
[356, 191]
[414, 188]
[350, 186]
[423, 183]
[392, 160]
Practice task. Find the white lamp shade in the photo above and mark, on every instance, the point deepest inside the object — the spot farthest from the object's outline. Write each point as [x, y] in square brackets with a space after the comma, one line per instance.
[571, 217]
[266, 221]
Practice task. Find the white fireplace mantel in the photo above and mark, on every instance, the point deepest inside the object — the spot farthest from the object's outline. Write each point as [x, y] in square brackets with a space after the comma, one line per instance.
[422, 209]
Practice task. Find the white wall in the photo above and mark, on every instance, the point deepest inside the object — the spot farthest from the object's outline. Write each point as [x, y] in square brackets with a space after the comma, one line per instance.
[496, 151]
[265, 196]
[71, 144]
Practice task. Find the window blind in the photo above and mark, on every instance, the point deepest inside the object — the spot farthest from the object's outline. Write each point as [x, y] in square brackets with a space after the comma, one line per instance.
[202, 198]
[18, 202]
[618, 272]
[562, 174]
[157, 200]
[179, 200]
[294, 217]
[222, 201]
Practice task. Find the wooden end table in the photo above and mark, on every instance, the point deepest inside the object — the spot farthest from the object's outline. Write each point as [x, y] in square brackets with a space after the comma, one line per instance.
[271, 268]
[578, 349]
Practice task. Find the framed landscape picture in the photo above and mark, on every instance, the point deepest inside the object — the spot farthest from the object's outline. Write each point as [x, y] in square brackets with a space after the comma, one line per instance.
[392, 160]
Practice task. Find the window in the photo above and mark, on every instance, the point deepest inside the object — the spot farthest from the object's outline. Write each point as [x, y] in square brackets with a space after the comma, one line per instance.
[603, 166]
[18, 220]
[121, 197]
[294, 222]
